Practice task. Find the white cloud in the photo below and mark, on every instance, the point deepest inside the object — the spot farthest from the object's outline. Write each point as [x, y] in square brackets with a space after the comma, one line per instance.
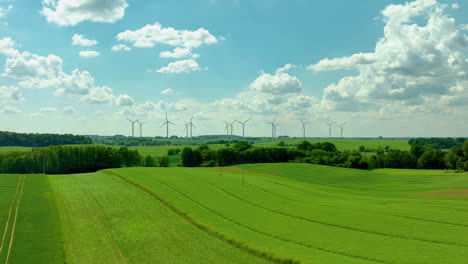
[7, 47]
[27, 65]
[89, 53]
[10, 110]
[412, 63]
[99, 95]
[4, 10]
[179, 53]
[124, 100]
[48, 109]
[80, 40]
[69, 13]
[120, 47]
[280, 83]
[10, 94]
[149, 35]
[182, 66]
[69, 110]
[346, 63]
[167, 91]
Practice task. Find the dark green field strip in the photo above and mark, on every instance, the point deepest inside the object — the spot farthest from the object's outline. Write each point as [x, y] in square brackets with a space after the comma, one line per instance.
[274, 245]
[107, 220]
[31, 233]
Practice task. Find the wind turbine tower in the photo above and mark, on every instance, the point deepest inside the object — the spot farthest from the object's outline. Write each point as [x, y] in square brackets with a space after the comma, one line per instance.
[228, 125]
[341, 127]
[186, 129]
[330, 124]
[191, 126]
[304, 128]
[243, 126]
[273, 129]
[167, 123]
[133, 126]
[141, 127]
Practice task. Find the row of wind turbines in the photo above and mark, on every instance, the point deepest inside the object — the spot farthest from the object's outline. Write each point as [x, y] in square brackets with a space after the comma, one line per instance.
[230, 127]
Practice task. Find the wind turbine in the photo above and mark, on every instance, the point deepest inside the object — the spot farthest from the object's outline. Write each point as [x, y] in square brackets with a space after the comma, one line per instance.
[243, 126]
[167, 126]
[186, 129]
[330, 124]
[341, 127]
[133, 126]
[232, 127]
[191, 125]
[227, 128]
[273, 128]
[141, 127]
[276, 125]
[304, 128]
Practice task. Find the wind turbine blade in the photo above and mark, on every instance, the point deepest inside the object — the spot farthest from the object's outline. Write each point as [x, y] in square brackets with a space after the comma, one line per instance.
[164, 124]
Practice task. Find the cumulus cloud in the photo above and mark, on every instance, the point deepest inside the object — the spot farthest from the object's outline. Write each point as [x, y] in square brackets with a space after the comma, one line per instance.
[279, 83]
[167, 91]
[89, 53]
[99, 95]
[120, 47]
[48, 109]
[10, 110]
[46, 72]
[149, 35]
[182, 66]
[412, 63]
[178, 53]
[80, 40]
[124, 100]
[7, 47]
[69, 110]
[10, 94]
[69, 13]
[26, 65]
[4, 10]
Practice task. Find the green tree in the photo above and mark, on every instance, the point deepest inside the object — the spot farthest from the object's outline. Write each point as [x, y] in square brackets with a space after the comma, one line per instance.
[163, 161]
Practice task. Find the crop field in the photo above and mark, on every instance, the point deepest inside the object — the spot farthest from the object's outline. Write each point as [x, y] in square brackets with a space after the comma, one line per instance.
[29, 226]
[282, 213]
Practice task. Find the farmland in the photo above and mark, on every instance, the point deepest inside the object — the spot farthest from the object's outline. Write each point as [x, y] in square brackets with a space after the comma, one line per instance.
[283, 213]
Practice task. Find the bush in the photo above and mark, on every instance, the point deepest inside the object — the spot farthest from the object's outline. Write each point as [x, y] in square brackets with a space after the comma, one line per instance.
[163, 161]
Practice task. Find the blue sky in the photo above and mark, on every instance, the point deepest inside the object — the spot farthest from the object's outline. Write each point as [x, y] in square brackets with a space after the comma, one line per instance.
[390, 68]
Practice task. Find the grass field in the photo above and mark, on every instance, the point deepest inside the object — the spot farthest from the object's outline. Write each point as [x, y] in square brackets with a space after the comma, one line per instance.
[283, 213]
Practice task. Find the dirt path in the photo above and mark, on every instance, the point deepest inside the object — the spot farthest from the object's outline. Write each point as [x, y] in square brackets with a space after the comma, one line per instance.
[12, 236]
[5, 231]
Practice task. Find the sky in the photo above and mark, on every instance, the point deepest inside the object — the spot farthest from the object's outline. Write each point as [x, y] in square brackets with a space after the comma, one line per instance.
[382, 68]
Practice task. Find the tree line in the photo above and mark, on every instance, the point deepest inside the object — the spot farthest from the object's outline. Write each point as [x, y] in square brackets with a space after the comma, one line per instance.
[419, 157]
[40, 140]
[75, 159]
[437, 143]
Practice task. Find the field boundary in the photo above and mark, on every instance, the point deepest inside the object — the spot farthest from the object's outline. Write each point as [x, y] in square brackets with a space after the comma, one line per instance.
[264, 255]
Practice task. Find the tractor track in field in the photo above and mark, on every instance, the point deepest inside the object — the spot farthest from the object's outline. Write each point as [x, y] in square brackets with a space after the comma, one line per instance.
[257, 231]
[98, 212]
[329, 224]
[9, 215]
[13, 227]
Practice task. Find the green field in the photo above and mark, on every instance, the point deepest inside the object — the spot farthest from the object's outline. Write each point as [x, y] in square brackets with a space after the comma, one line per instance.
[283, 213]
